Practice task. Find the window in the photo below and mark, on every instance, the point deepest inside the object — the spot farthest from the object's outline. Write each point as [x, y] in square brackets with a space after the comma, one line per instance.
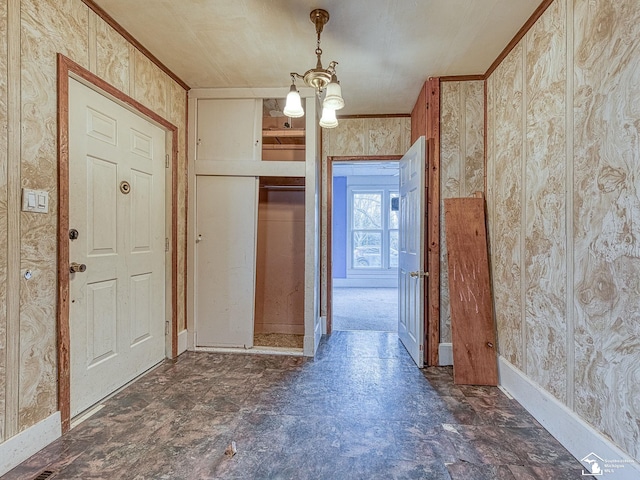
[374, 229]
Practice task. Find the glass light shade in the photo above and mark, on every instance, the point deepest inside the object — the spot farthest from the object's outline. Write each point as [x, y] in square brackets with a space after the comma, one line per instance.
[293, 107]
[328, 119]
[333, 98]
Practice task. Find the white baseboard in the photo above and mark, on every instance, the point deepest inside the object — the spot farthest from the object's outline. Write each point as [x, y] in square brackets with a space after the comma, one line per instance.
[182, 342]
[312, 341]
[445, 354]
[20, 447]
[576, 435]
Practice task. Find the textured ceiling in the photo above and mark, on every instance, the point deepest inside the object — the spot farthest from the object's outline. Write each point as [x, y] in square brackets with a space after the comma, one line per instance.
[385, 49]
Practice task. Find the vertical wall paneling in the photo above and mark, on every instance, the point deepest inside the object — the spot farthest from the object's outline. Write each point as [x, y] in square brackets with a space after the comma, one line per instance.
[507, 203]
[451, 152]
[461, 164]
[132, 71]
[12, 335]
[93, 41]
[3, 213]
[606, 211]
[113, 57]
[523, 210]
[563, 147]
[44, 32]
[544, 212]
[569, 230]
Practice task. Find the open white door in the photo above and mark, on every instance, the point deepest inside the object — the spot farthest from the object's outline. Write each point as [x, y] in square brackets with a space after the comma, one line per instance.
[411, 254]
[226, 217]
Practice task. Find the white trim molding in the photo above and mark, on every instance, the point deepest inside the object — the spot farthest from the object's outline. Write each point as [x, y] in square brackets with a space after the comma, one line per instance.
[445, 354]
[182, 341]
[28, 442]
[576, 435]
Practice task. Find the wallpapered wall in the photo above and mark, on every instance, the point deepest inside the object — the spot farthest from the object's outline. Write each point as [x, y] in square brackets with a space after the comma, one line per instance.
[357, 137]
[461, 164]
[3, 211]
[563, 156]
[47, 27]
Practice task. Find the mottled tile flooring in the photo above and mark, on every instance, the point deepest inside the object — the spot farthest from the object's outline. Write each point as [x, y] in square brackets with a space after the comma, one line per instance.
[360, 410]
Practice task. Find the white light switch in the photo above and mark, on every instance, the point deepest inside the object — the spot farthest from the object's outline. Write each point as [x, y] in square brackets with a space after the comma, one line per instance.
[35, 201]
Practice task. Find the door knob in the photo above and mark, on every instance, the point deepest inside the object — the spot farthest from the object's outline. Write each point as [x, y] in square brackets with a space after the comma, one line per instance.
[418, 274]
[77, 267]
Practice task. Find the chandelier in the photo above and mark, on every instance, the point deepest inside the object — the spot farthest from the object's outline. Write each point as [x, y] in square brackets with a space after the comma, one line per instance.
[320, 79]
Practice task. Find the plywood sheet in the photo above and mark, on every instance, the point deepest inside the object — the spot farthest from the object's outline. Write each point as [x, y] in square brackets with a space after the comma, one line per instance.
[472, 324]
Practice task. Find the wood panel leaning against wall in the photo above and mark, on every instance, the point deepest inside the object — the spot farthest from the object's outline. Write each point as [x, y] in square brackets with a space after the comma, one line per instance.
[35, 32]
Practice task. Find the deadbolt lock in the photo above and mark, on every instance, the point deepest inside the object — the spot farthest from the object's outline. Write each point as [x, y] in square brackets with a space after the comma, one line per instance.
[125, 187]
[73, 234]
[77, 267]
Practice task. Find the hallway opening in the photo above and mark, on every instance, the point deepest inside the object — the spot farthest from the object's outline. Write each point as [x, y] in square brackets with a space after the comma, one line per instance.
[365, 220]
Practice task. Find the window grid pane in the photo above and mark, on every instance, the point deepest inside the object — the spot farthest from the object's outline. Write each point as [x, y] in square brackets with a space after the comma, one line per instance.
[367, 249]
[367, 211]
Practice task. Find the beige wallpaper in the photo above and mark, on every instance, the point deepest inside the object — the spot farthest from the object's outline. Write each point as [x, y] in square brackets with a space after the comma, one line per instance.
[505, 89]
[545, 233]
[563, 138]
[606, 214]
[44, 32]
[357, 137]
[461, 164]
[113, 57]
[3, 210]
[69, 27]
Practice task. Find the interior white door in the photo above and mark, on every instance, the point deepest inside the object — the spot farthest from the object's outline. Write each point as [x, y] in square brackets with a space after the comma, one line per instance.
[226, 222]
[117, 206]
[411, 251]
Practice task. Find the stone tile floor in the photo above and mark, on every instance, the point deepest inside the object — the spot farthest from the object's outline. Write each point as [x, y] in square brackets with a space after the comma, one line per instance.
[359, 410]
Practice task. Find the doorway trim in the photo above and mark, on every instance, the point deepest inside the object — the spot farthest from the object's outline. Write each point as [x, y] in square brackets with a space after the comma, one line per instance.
[329, 259]
[68, 68]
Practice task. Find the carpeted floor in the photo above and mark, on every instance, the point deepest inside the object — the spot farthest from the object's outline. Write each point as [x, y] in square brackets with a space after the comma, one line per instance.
[373, 309]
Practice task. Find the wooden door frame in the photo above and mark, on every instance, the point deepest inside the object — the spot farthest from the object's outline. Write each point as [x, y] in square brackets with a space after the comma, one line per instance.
[329, 186]
[68, 68]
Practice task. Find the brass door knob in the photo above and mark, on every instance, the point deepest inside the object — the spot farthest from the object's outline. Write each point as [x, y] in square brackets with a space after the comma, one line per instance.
[77, 267]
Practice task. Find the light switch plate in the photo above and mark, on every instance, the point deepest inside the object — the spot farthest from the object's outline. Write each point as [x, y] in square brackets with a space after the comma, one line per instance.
[36, 201]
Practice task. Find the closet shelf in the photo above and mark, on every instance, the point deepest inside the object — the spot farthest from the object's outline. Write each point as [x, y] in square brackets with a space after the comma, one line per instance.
[284, 132]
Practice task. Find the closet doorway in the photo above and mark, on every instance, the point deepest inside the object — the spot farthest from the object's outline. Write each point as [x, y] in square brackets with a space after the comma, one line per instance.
[280, 257]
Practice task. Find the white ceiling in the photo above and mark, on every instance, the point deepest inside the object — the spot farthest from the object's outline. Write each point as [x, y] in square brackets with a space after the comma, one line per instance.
[386, 49]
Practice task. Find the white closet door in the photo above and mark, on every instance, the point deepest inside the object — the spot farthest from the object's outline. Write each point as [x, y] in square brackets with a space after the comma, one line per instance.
[228, 130]
[226, 219]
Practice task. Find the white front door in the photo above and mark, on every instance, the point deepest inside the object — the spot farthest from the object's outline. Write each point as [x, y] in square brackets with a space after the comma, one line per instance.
[117, 207]
[226, 221]
[411, 251]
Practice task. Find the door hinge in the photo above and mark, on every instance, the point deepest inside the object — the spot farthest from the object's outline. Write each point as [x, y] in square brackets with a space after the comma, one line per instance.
[166, 244]
[166, 327]
[166, 160]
